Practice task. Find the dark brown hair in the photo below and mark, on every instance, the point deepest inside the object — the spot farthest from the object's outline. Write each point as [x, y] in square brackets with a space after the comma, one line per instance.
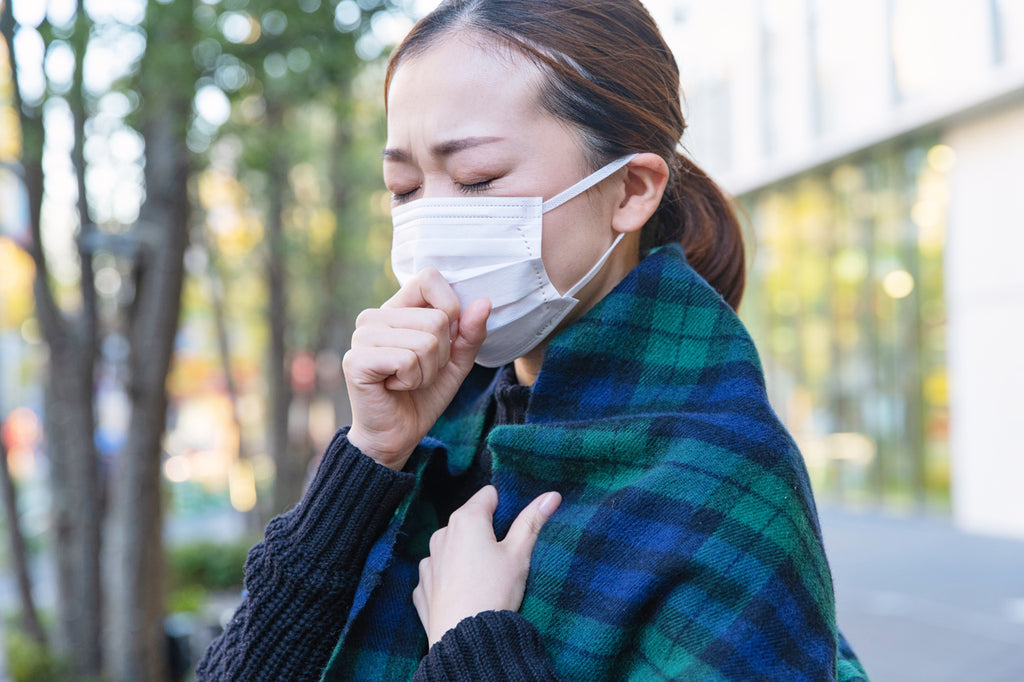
[613, 78]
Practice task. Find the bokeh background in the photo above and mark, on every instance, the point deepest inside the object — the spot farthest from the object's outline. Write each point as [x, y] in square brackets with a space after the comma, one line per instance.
[191, 216]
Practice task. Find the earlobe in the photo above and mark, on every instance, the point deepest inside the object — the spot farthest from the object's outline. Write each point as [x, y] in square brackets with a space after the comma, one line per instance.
[646, 177]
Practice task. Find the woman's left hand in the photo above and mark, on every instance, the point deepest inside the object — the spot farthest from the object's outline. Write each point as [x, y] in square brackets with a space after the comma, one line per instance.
[469, 571]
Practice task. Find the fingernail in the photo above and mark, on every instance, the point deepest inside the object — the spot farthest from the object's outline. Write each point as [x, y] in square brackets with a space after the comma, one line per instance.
[550, 503]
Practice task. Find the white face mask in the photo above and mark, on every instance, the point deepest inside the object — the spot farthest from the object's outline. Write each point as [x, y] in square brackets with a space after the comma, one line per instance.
[490, 247]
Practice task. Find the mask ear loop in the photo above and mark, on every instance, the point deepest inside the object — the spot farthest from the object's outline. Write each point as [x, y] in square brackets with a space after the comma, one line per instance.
[577, 189]
[594, 270]
[586, 183]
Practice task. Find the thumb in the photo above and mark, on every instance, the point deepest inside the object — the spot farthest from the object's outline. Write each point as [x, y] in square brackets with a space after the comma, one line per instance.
[525, 529]
[472, 330]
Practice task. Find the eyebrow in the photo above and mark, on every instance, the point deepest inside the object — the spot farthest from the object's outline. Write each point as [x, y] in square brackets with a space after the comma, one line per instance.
[443, 149]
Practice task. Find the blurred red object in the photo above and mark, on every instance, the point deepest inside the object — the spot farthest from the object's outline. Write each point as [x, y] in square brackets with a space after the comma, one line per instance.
[303, 372]
[21, 430]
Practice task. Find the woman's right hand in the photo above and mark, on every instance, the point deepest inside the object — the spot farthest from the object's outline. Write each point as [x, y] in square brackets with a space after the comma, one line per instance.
[408, 359]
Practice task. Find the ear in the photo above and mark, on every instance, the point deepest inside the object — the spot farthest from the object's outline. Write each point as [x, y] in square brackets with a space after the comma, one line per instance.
[642, 188]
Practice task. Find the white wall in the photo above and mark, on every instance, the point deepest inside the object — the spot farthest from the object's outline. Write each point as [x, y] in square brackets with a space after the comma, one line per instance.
[985, 299]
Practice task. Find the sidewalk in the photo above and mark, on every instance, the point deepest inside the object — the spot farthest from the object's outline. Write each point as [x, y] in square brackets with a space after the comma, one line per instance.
[920, 601]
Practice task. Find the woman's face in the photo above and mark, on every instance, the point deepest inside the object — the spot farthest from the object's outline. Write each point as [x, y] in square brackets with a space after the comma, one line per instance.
[464, 119]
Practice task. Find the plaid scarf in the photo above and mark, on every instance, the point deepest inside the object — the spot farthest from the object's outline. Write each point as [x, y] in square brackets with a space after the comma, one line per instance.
[687, 544]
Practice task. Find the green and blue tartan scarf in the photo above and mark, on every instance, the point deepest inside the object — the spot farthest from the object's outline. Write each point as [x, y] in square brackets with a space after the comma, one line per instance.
[687, 544]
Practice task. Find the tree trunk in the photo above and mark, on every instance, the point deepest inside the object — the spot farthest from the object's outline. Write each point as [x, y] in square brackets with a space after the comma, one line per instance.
[68, 414]
[136, 648]
[19, 557]
[74, 488]
[86, 508]
[288, 471]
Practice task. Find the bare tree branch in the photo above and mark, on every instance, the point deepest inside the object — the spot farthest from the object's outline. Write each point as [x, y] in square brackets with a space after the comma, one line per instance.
[76, 101]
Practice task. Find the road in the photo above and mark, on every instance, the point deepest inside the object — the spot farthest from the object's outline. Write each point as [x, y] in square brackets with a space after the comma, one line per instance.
[921, 601]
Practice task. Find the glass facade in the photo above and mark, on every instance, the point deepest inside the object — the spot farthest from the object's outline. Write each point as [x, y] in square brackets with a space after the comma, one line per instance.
[846, 304]
[827, 119]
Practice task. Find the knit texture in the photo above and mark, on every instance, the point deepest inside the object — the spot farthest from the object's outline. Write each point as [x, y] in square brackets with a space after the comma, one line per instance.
[687, 544]
[498, 646]
[302, 578]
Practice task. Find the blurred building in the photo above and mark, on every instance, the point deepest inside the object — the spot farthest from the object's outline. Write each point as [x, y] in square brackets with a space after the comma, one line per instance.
[878, 148]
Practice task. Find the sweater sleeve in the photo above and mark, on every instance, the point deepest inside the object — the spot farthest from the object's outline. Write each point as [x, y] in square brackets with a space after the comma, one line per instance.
[301, 579]
[493, 645]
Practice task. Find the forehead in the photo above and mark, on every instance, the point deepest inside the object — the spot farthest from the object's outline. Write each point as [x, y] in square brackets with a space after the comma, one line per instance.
[462, 85]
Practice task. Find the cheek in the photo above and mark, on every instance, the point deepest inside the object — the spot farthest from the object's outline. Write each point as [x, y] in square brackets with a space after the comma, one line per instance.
[574, 239]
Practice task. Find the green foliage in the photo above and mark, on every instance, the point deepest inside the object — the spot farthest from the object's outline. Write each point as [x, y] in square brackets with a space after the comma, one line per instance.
[305, 133]
[30, 661]
[186, 599]
[207, 566]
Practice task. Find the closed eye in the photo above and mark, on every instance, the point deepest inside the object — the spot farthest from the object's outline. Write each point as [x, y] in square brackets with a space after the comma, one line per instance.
[476, 187]
[471, 188]
[399, 197]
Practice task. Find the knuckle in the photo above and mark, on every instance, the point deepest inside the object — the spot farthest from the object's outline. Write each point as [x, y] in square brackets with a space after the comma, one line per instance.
[349, 361]
[461, 516]
[435, 543]
[429, 345]
[406, 361]
[359, 336]
[429, 273]
[366, 317]
[439, 320]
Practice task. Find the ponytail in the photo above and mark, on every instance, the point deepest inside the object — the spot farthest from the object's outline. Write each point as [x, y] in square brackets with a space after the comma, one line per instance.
[696, 213]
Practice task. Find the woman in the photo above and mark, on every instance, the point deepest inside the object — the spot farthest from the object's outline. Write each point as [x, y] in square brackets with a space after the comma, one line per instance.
[563, 347]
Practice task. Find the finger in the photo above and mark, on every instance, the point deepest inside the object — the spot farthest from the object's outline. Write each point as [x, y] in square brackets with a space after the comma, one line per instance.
[398, 368]
[419, 594]
[432, 353]
[527, 526]
[436, 543]
[421, 606]
[426, 573]
[477, 512]
[484, 500]
[429, 320]
[428, 289]
[472, 330]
